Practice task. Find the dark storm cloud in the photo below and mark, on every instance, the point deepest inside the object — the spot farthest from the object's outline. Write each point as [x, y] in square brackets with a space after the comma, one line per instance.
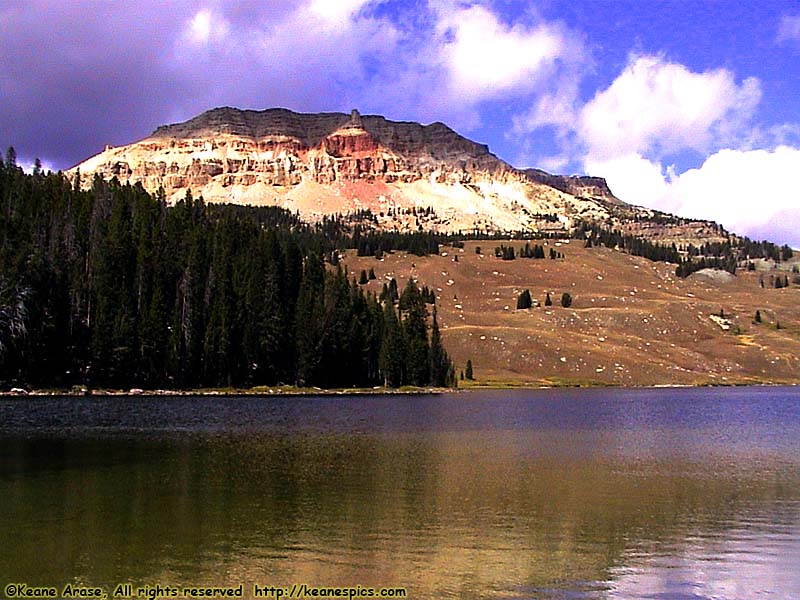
[76, 76]
[73, 79]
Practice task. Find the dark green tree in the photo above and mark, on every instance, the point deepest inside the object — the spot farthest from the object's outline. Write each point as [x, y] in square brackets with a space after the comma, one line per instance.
[441, 367]
[394, 294]
[309, 322]
[393, 351]
[524, 300]
[415, 331]
[468, 370]
[13, 316]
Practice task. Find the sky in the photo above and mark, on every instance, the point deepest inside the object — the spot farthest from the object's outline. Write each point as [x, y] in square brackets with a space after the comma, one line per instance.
[687, 106]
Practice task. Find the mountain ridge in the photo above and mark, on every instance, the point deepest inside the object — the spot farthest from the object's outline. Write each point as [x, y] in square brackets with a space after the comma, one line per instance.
[322, 164]
[312, 128]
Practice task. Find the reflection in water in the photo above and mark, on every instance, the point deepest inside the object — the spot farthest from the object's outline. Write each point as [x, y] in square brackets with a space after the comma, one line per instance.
[525, 495]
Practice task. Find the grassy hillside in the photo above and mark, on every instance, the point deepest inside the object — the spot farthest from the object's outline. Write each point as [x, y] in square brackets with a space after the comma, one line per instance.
[631, 322]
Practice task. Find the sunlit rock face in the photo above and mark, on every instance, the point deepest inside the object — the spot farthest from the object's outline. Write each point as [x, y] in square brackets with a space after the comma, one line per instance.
[335, 163]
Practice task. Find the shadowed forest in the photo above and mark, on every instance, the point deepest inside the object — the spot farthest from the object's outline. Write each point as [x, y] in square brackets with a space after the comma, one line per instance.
[110, 287]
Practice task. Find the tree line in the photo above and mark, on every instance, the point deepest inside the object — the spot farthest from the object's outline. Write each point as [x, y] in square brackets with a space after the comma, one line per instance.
[724, 255]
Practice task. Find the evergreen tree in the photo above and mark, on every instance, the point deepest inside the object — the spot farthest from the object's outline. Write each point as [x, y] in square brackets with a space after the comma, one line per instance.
[415, 332]
[524, 300]
[335, 352]
[757, 318]
[566, 300]
[393, 351]
[441, 370]
[468, 370]
[13, 316]
[309, 322]
[373, 339]
[547, 300]
[221, 347]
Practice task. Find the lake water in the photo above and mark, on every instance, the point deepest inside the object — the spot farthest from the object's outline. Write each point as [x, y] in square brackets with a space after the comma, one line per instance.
[563, 494]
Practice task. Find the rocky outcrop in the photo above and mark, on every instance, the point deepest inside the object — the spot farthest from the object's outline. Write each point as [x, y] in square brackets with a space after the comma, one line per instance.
[328, 163]
[596, 187]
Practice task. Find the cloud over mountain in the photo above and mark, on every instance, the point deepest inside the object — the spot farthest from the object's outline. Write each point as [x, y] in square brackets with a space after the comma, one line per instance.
[659, 107]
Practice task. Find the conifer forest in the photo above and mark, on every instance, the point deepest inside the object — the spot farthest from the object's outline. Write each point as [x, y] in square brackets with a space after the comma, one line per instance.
[112, 288]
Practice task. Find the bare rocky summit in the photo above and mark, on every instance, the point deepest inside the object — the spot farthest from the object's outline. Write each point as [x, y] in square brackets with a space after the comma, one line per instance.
[337, 163]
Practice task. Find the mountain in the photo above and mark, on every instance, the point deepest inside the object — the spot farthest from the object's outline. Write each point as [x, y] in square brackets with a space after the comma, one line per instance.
[335, 163]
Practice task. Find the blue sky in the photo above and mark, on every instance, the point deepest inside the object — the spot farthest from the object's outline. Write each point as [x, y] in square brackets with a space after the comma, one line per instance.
[688, 106]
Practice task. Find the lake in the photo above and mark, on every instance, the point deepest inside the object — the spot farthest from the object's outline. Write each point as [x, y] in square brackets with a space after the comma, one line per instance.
[562, 494]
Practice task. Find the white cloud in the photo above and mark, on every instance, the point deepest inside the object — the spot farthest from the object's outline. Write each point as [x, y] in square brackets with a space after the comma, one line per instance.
[655, 107]
[206, 27]
[789, 29]
[29, 164]
[336, 13]
[444, 64]
[745, 190]
[553, 164]
[485, 58]
[557, 108]
[633, 178]
[305, 55]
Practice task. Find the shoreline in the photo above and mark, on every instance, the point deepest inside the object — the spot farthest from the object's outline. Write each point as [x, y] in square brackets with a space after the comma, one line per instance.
[289, 391]
[282, 391]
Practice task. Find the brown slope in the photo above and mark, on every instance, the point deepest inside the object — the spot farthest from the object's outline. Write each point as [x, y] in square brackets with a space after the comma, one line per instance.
[632, 321]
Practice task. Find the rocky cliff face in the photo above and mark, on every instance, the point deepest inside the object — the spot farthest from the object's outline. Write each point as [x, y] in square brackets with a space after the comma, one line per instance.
[592, 187]
[332, 163]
